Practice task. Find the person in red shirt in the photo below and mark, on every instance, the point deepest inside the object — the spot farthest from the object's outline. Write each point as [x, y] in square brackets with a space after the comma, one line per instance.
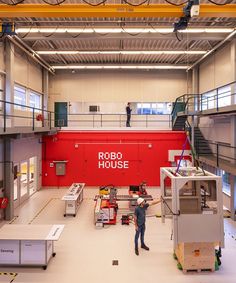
[142, 188]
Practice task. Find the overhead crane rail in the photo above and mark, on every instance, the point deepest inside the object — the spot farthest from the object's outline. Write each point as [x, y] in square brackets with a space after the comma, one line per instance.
[110, 11]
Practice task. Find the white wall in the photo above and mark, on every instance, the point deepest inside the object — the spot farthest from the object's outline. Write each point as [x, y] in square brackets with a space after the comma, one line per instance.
[217, 70]
[117, 86]
[216, 129]
[27, 72]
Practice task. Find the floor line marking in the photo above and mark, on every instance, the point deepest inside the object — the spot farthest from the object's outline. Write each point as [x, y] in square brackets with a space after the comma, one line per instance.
[13, 220]
[39, 212]
[12, 274]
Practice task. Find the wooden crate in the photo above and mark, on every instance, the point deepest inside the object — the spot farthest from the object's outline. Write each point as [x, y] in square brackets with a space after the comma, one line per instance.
[196, 256]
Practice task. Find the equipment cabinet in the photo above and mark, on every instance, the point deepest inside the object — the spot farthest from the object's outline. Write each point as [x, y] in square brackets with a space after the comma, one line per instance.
[73, 198]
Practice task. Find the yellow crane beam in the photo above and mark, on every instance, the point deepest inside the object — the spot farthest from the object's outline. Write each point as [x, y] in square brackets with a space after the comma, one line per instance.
[110, 11]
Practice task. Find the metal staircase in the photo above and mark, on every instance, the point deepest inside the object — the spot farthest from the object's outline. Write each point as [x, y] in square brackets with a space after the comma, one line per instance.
[179, 123]
[201, 145]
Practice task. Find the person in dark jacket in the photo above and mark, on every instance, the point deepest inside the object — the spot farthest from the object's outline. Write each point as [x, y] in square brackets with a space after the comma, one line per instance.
[128, 112]
[139, 221]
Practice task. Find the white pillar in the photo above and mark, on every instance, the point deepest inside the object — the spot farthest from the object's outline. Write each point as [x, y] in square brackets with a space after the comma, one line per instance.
[9, 81]
[233, 70]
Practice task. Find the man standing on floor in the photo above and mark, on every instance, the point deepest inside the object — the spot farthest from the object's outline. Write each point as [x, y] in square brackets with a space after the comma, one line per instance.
[139, 221]
[128, 112]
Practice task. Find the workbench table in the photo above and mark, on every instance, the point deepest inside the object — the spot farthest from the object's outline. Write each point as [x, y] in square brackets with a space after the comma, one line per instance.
[28, 245]
[73, 198]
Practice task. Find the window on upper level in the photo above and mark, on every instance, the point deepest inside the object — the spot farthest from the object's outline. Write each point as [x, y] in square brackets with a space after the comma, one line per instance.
[35, 100]
[19, 97]
[225, 182]
[224, 96]
[157, 108]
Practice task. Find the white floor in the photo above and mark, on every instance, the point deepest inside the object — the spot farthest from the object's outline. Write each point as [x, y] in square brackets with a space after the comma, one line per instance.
[85, 253]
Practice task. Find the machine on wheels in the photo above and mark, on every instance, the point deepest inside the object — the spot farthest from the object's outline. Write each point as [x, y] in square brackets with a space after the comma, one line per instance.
[106, 207]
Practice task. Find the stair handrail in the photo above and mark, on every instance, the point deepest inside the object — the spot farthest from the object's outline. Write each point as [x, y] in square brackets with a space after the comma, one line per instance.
[185, 99]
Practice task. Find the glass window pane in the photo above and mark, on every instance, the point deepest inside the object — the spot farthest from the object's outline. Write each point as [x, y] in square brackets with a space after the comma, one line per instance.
[35, 100]
[147, 108]
[160, 105]
[154, 108]
[24, 178]
[154, 105]
[168, 108]
[225, 182]
[19, 97]
[224, 96]
[209, 100]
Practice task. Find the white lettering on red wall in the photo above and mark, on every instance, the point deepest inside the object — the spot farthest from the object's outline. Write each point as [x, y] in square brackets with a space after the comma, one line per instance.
[112, 160]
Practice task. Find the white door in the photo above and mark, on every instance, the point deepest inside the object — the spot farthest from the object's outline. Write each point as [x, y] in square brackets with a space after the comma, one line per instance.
[24, 180]
[16, 185]
[32, 175]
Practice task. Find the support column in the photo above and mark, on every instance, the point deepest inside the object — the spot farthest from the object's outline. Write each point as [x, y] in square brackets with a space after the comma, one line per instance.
[9, 82]
[195, 85]
[45, 95]
[233, 69]
[192, 135]
[233, 196]
[8, 177]
[233, 138]
[45, 89]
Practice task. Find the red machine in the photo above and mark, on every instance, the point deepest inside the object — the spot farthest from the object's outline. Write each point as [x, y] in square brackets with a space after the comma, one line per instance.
[105, 211]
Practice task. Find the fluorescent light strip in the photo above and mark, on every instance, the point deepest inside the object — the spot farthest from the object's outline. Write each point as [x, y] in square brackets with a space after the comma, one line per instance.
[124, 52]
[91, 67]
[120, 30]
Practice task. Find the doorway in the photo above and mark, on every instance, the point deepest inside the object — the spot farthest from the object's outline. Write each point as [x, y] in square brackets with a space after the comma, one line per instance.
[21, 181]
[16, 185]
[24, 181]
[60, 114]
[32, 175]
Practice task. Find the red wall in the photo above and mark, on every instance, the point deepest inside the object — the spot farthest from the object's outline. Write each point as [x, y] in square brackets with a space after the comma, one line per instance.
[145, 153]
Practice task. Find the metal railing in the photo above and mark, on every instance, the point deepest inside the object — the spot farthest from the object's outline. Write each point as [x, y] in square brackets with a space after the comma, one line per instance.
[12, 114]
[100, 120]
[185, 104]
[197, 103]
[221, 152]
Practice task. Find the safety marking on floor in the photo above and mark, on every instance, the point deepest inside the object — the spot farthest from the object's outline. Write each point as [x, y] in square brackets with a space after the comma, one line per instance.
[11, 274]
[13, 220]
[38, 213]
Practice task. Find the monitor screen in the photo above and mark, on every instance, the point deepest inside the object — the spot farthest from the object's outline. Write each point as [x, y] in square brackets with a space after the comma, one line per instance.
[134, 188]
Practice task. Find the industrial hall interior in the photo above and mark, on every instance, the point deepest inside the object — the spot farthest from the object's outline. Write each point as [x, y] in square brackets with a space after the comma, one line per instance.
[117, 141]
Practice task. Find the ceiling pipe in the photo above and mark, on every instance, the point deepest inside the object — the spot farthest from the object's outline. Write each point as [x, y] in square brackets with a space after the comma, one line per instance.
[29, 51]
[212, 50]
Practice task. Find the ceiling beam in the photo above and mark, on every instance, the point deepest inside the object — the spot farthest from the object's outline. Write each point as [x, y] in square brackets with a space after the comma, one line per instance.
[110, 11]
[118, 36]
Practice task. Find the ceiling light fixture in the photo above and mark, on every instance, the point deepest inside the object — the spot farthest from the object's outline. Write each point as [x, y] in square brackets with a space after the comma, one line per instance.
[119, 30]
[90, 67]
[124, 52]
